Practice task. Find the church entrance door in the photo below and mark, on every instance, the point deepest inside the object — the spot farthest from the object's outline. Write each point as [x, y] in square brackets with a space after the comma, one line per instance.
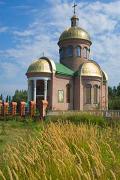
[41, 91]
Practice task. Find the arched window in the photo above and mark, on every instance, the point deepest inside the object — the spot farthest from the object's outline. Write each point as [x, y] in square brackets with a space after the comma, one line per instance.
[78, 51]
[68, 87]
[69, 51]
[95, 94]
[61, 51]
[85, 52]
[88, 94]
[88, 53]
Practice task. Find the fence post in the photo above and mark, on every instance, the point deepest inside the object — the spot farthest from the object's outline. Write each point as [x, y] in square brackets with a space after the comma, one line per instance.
[5, 108]
[14, 108]
[32, 108]
[43, 108]
[22, 108]
[1, 108]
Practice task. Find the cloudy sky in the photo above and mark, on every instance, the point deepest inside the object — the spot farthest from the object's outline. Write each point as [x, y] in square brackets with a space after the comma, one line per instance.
[30, 27]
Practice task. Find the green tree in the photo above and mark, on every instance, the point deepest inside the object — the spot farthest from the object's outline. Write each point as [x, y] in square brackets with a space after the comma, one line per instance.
[20, 95]
[7, 98]
[114, 97]
[110, 92]
[118, 90]
[114, 91]
[1, 97]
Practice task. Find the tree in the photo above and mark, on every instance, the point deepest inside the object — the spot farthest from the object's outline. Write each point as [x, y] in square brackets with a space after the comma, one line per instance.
[1, 97]
[20, 95]
[110, 92]
[7, 98]
[118, 90]
[114, 91]
[114, 97]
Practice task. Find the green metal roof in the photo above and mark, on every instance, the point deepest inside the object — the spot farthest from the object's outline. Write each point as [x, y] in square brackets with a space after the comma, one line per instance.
[63, 70]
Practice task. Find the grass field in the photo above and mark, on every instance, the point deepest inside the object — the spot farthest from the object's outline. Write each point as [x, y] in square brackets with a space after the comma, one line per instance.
[59, 150]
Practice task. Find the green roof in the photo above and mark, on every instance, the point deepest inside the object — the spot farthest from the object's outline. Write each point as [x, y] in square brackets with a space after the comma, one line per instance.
[63, 70]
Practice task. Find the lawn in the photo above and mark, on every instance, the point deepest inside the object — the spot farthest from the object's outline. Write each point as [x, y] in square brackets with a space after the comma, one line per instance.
[59, 149]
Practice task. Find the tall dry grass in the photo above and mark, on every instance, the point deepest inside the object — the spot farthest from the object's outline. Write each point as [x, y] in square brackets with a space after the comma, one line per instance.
[64, 151]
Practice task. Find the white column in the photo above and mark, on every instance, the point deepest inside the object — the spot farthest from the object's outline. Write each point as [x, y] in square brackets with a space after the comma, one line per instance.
[29, 89]
[35, 90]
[45, 89]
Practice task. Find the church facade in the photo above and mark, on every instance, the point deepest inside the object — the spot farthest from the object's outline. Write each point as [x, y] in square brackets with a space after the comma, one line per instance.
[77, 82]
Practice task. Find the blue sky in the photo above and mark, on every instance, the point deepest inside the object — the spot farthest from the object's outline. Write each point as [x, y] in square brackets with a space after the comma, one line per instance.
[30, 27]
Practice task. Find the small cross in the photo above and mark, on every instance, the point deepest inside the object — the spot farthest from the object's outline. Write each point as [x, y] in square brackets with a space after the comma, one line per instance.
[74, 7]
[43, 54]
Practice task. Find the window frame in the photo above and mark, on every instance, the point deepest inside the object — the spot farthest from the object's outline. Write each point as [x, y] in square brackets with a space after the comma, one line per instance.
[61, 50]
[68, 93]
[95, 94]
[77, 54]
[88, 100]
[85, 52]
[62, 100]
[68, 53]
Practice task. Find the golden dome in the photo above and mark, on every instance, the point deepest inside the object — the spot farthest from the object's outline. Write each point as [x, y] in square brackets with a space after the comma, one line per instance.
[41, 65]
[90, 69]
[105, 76]
[75, 33]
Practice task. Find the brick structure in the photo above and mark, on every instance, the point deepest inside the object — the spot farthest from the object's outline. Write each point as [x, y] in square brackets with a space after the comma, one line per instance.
[76, 83]
[32, 108]
[22, 108]
[13, 108]
[43, 108]
[5, 109]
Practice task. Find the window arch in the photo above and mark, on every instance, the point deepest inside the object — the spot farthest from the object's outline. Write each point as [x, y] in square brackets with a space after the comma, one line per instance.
[68, 94]
[78, 51]
[69, 51]
[95, 94]
[61, 52]
[85, 52]
[88, 53]
[88, 94]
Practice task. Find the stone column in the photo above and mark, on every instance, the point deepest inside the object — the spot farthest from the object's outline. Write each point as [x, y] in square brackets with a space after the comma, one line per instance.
[45, 89]
[29, 88]
[35, 90]
[92, 94]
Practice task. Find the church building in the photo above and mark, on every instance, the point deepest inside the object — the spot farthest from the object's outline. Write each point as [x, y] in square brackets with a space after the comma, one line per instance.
[76, 82]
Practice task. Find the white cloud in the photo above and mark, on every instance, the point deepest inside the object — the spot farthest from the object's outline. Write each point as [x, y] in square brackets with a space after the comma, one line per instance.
[3, 29]
[24, 33]
[10, 70]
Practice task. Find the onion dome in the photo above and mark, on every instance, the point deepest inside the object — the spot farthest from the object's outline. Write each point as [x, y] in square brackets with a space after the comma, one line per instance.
[75, 32]
[42, 65]
[90, 69]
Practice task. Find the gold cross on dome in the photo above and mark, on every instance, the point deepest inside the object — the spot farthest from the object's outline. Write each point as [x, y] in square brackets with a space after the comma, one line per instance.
[75, 5]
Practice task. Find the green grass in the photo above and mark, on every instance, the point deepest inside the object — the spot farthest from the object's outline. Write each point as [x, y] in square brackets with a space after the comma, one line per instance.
[78, 117]
[70, 146]
[17, 127]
